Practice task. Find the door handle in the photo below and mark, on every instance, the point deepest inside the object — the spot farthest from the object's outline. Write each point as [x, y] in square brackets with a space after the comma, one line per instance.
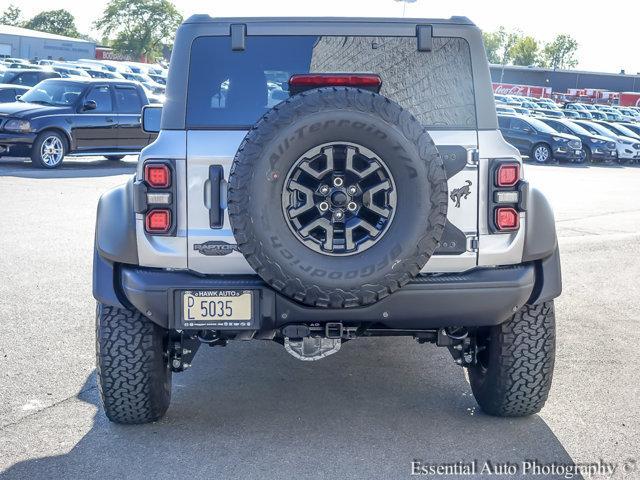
[216, 214]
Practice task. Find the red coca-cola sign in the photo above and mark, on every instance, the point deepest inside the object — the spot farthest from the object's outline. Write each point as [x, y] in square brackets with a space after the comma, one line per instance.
[525, 90]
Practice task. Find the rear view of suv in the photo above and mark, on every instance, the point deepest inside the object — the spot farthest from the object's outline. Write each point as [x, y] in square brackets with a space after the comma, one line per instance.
[319, 180]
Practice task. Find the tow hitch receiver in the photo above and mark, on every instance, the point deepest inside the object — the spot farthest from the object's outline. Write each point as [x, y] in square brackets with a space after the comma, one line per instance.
[313, 342]
[182, 350]
[461, 345]
[309, 349]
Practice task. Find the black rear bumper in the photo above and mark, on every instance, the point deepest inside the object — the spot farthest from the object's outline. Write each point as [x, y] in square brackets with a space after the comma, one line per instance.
[480, 297]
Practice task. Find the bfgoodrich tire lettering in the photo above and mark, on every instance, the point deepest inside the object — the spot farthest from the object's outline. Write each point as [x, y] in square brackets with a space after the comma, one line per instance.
[514, 374]
[134, 377]
[315, 118]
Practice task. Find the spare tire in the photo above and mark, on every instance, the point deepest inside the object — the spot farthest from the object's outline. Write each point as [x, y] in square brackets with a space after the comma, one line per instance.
[337, 197]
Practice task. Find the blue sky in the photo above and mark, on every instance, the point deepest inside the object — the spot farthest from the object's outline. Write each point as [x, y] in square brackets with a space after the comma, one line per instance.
[607, 32]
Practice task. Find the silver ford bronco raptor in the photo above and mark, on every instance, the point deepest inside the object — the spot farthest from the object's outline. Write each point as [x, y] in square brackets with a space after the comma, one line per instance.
[319, 180]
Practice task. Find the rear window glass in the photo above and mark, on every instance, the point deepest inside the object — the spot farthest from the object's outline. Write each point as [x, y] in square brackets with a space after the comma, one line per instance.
[233, 89]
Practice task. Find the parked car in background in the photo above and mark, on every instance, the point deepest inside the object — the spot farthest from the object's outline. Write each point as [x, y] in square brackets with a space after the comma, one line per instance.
[95, 73]
[629, 112]
[571, 114]
[9, 92]
[628, 148]
[161, 79]
[68, 72]
[109, 65]
[598, 115]
[548, 112]
[152, 86]
[502, 108]
[575, 106]
[60, 117]
[619, 129]
[521, 110]
[579, 109]
[634, 127]
[529, 104]
[538, 140]
[594, 147]
[612, 114]
[547, 103]
[26, 77]
[11, 60]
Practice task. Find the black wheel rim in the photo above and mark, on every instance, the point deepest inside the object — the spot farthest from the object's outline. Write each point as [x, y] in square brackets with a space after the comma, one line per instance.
[339, 198]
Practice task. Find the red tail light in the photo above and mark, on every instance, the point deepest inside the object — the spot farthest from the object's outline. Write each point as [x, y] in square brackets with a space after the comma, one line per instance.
[158, 220]
[157, 175]
[507, 174]
[301, 82]
[507, 218]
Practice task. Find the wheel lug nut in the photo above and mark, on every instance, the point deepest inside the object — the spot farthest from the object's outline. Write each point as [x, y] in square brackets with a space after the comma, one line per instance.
[352, 190]
[339, 215]
[324, 189]
[352, 207]
[338, 182]
[324, 206]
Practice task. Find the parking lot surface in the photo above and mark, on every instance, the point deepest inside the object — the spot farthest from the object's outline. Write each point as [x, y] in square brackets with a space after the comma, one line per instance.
[252, 411]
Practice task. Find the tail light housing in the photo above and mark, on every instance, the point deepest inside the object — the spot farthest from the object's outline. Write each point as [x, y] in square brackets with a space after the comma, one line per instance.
[157, 175]
[158, 220]
[507, 218]
[507, 174]
[507, 196]
[154, 197]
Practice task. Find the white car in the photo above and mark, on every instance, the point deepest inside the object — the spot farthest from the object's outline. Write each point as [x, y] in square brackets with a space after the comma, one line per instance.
[628, 147]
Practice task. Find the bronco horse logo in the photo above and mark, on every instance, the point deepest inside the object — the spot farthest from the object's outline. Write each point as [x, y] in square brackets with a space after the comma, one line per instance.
[460, 193]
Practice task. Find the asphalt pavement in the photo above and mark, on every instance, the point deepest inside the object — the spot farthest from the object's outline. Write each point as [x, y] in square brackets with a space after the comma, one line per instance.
[252, 411]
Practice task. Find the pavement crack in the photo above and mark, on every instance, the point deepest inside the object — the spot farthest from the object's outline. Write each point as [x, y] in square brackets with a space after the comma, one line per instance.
[37, 412]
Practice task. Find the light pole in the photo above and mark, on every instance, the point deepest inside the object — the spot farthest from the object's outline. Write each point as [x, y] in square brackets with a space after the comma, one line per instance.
[404, 5]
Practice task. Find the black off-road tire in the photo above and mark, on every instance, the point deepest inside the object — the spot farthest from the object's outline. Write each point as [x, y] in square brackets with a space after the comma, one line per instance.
[279, 139]
[586, 158]
[514, 374]
[133, 373]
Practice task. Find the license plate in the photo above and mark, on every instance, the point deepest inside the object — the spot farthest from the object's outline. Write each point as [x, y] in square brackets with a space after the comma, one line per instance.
[217, 308]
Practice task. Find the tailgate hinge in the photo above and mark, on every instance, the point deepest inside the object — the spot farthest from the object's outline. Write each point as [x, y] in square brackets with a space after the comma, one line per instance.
[474, 156]
[472, 244]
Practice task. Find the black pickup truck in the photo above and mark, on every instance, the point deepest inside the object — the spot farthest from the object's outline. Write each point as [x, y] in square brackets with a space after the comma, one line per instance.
[60, 117]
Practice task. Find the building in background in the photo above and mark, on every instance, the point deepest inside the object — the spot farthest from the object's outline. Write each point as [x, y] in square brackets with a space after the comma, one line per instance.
[30, 44]
[564, 80]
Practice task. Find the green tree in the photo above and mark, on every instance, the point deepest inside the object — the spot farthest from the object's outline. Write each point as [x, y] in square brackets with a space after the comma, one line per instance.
[499, 44]
[561, 52]
[492, 45]
[524, 51]
[60, 22]
[11, 16]
[139, 27]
